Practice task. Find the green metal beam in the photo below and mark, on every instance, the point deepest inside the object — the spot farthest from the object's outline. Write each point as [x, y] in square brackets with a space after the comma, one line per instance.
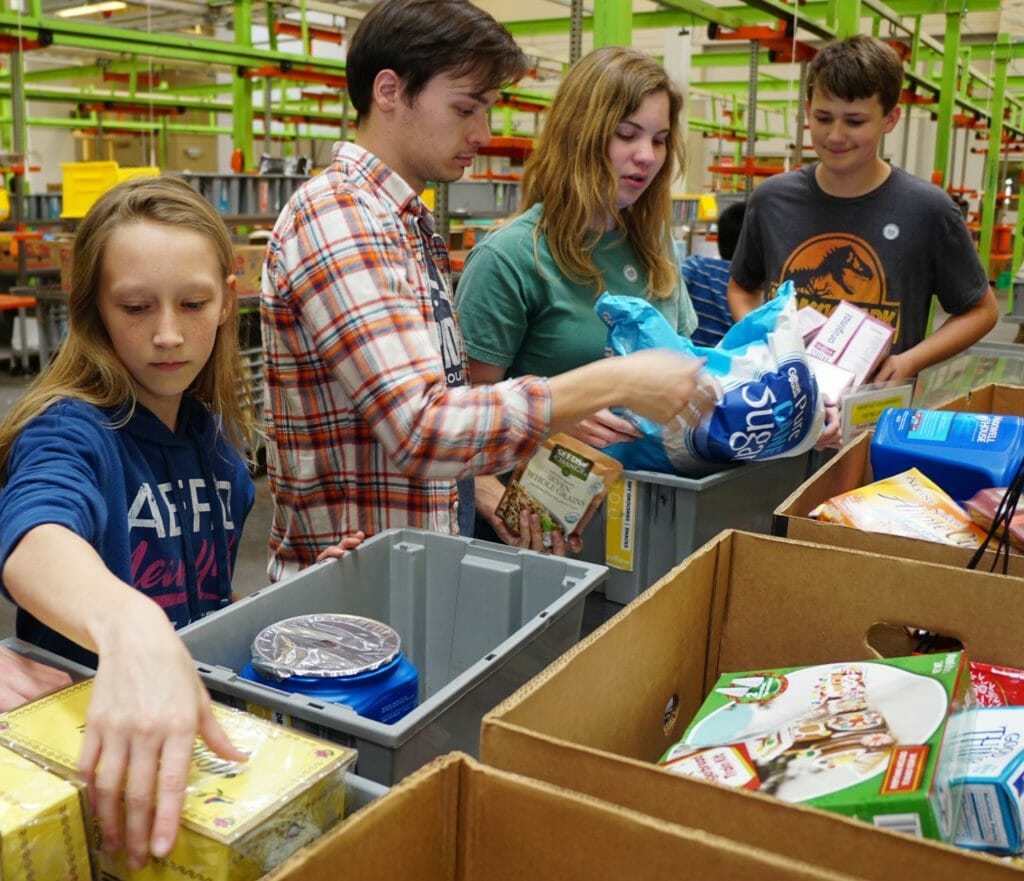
[64, 32]
[613, 23]
[995, 143]
[947, 95]
[242, 118]
[727, 59]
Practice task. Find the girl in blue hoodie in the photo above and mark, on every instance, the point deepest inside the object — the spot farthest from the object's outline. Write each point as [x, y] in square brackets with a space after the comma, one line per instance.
[126, 490]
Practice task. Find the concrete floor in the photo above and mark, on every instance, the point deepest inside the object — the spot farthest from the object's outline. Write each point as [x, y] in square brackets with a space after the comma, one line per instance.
[250, 569]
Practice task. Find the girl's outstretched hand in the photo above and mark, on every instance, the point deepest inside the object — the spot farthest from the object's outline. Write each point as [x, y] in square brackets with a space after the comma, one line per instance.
[147, 706]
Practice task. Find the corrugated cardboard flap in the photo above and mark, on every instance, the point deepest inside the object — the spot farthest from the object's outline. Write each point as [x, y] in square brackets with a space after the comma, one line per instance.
[457, 820]
[593, 721]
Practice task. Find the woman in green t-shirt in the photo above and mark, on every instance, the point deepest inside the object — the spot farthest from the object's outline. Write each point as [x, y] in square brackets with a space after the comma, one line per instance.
[596, 216]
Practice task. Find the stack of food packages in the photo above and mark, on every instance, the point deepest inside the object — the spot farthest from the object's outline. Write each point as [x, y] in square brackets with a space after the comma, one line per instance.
[239, 820]
[939, 476]
[903, 743]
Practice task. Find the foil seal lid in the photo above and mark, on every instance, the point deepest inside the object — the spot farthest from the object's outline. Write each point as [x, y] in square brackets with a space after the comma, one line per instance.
[324, 645]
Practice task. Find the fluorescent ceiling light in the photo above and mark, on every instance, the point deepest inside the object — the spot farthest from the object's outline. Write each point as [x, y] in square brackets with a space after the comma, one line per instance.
[91, 9]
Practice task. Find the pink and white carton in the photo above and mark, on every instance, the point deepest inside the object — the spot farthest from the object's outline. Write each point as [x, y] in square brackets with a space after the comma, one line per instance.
[854, 340]
[809, 320]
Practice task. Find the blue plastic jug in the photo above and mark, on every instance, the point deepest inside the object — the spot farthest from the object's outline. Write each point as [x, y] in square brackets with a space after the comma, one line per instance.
[344, 659]
[961, 452]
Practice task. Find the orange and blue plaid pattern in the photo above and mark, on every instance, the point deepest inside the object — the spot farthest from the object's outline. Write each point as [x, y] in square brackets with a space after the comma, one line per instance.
[363, 431]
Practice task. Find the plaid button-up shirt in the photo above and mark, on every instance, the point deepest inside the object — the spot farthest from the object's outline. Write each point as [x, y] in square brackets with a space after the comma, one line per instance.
[363, 430]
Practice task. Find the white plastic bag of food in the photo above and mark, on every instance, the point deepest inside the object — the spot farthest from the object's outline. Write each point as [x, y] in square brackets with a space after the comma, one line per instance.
[769, 406]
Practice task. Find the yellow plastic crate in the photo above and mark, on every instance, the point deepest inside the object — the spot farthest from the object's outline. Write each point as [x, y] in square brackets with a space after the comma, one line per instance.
[130, 171]
[84, 182]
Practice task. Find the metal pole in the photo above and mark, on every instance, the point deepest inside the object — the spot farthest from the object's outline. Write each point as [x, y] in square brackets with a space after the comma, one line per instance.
[798, 145]
[575, 31]
[752, 112]
[19, 137]
[442, 221]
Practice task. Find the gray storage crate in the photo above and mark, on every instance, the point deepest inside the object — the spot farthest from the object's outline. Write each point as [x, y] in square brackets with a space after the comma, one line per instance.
[476, 619]
[76, 671]
[359, 791]
[673, 516]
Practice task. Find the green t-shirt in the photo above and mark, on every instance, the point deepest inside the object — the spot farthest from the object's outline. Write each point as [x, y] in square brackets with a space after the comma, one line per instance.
[532, 319]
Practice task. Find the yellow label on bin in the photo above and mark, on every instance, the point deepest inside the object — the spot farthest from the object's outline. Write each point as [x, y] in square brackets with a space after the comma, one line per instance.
[620, 524]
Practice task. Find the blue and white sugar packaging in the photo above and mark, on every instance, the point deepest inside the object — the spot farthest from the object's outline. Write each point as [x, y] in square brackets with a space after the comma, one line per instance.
[768, 405]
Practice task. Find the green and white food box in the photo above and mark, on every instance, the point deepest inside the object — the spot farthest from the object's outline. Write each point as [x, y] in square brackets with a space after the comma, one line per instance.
[869, 739]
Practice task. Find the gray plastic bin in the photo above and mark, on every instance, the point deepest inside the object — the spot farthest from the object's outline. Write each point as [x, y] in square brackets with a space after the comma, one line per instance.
[76, 671]
[673, 516]
[476, 619]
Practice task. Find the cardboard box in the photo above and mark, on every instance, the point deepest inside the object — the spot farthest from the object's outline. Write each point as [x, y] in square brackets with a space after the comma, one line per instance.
[599, 717]
[249, 267]
[852, 339]
[991, 398]
[238, 820]
[851, 468]
[456, 820]
[868, 739]
[42, 833]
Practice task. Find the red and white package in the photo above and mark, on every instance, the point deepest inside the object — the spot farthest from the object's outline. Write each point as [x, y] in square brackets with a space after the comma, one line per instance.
[997, 686]
[983, 507]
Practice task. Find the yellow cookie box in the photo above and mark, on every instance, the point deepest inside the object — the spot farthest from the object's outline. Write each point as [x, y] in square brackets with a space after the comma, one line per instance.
[42, 834]
[907, 504]
[239, 819]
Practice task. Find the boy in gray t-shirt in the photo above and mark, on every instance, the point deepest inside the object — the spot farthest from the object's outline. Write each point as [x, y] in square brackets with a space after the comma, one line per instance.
[851, 227]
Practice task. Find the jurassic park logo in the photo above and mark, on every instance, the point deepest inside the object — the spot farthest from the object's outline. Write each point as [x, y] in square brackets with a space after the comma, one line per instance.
[832, 268]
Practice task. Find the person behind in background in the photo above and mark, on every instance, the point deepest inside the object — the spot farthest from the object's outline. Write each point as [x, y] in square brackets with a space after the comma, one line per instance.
[372, 422]
[707, 279]
[850, 227]
[596, 216]
[124, 492]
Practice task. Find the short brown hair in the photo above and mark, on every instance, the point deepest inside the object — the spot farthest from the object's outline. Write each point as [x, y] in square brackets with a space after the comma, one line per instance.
[856, 68]
[419, 39]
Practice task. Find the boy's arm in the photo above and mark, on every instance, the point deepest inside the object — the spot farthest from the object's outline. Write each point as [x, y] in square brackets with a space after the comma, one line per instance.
[954, 335]
[741, 300]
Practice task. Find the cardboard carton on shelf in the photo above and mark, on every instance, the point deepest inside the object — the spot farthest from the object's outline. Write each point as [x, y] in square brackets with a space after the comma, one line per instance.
[597, 720]
[456, 819]
[249, 267]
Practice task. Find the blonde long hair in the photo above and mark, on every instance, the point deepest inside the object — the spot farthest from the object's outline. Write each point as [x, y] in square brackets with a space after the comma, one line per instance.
[86, 367]
[570, 172]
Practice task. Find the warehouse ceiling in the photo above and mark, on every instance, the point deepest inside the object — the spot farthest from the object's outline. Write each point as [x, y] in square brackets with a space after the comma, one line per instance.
[549, 45]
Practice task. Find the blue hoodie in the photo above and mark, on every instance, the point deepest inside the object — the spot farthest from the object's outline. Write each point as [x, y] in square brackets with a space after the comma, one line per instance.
[163, 509]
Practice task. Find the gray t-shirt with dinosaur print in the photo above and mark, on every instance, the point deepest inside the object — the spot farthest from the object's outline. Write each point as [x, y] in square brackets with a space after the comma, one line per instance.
[887, 251]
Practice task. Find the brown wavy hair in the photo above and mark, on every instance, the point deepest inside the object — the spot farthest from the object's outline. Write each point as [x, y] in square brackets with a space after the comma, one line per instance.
[571, 174]
[86, 367]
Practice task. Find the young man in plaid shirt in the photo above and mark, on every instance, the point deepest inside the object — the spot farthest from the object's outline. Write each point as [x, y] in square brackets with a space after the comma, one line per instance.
[371, 419]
